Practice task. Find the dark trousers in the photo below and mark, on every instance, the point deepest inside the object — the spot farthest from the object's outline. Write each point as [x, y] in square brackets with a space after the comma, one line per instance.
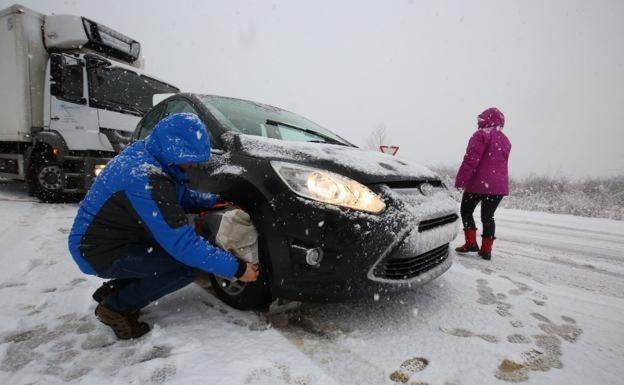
[146, 274]
[489, 203]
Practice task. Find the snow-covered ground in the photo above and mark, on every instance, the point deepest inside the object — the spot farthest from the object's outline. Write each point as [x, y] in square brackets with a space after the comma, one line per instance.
[548, 309]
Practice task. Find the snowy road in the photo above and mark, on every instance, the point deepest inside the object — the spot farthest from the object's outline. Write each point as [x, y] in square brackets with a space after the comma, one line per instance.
[548, 309]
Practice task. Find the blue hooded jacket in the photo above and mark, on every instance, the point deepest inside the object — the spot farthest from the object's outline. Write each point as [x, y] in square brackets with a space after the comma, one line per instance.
[141, 197]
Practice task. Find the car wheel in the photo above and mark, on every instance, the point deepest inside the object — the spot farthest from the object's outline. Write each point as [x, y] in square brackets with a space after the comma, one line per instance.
[241, 295]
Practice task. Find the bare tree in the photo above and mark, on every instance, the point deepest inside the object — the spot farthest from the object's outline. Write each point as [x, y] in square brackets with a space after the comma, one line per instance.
[377, 137]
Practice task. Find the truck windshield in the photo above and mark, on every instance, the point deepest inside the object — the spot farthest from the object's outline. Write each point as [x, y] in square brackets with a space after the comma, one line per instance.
[123, 90]
[251, 118]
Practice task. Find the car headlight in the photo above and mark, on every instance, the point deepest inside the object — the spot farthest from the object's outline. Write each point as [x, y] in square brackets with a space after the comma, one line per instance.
[328, 187]
[98, 169]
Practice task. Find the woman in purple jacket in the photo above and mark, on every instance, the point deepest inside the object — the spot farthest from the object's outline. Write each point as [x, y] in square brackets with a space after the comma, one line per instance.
[484, 179]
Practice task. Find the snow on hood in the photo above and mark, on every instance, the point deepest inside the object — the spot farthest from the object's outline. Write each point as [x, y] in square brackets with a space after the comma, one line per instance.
[369, 166]
[179, 139]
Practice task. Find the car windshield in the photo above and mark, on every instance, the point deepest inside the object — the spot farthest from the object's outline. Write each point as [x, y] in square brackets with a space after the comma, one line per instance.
[251, 118]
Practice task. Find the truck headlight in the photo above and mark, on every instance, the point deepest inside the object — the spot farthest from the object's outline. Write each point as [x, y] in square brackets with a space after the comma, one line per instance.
[98, 169]
[328, 187]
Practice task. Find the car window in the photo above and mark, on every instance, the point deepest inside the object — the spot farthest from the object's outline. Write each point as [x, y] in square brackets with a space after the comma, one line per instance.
[179, 106]
[251, 118]
[149, 121]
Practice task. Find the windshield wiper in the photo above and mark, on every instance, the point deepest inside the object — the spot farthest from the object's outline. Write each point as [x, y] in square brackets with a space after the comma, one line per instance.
[328, 139]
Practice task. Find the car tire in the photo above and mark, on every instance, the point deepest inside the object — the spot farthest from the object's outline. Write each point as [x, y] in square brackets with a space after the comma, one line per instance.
[240, 295]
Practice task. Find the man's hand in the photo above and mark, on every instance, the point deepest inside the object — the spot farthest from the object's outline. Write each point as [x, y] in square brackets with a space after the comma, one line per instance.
[251, 273]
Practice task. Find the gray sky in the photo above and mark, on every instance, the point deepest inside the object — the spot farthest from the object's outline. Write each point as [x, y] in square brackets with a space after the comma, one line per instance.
[424, 69]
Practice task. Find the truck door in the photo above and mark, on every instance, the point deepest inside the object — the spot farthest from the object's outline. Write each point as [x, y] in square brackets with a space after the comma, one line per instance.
[70, 115]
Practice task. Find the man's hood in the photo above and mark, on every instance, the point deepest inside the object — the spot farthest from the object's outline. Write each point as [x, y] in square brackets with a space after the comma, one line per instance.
[365, 166]
[179, 139]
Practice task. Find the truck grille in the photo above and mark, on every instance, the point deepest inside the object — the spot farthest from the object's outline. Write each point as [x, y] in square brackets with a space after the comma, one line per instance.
[406, 268]
[436, 222]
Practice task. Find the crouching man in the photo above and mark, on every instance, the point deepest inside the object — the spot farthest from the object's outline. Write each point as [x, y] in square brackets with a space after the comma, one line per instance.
[132, 228]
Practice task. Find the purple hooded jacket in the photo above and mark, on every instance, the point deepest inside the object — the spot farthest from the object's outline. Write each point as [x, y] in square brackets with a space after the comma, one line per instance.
[484, 169]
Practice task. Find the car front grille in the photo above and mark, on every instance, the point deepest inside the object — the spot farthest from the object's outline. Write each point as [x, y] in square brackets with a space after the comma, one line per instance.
[407, 268]
[436, 222]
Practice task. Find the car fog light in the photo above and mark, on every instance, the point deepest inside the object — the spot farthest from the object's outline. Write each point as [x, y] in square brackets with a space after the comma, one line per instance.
[314, 256]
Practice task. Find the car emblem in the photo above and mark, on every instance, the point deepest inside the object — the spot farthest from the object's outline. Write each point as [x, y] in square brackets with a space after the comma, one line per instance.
[426, 189]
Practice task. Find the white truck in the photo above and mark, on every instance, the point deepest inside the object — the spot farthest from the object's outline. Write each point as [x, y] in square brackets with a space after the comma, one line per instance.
[71, 93]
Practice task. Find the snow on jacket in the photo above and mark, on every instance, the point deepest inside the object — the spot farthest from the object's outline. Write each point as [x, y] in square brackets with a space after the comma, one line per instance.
[484, 169]
[141, 197]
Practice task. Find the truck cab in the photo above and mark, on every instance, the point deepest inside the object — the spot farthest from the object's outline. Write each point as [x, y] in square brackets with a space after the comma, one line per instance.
[75, 92]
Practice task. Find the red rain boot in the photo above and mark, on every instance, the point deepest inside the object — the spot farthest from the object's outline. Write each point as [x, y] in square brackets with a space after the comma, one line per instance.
[486, 248]
[471, 241]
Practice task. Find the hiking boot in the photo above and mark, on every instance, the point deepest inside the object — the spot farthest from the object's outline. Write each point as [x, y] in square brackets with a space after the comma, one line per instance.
[470, 235]
[486, 248]
[108, 288]
[125, 325]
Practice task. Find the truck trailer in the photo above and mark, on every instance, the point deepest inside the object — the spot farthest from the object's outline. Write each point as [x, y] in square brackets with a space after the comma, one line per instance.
[71, 93]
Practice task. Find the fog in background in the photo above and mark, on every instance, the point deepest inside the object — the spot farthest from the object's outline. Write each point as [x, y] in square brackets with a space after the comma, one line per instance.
[421, 69]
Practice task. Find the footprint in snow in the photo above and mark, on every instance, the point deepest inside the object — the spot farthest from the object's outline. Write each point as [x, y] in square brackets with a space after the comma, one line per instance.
[488, 297]
[163, 374]
[547, 357]
[156, 351]
[458, 332]
[548, 354]
[568, 330]
[277, 374]
[521, 288]
[516, 323]
[518, 339]
[408, 368]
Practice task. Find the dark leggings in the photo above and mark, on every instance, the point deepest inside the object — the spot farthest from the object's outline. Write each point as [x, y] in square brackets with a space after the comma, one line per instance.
[489, 203]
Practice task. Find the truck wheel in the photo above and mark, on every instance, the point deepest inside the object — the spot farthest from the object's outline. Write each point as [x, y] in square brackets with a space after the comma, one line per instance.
[46, 181]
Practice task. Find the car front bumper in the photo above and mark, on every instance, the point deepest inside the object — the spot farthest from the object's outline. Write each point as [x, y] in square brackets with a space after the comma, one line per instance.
[405, 246]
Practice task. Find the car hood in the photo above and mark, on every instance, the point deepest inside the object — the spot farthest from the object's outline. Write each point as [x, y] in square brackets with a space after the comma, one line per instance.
[365, 166]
